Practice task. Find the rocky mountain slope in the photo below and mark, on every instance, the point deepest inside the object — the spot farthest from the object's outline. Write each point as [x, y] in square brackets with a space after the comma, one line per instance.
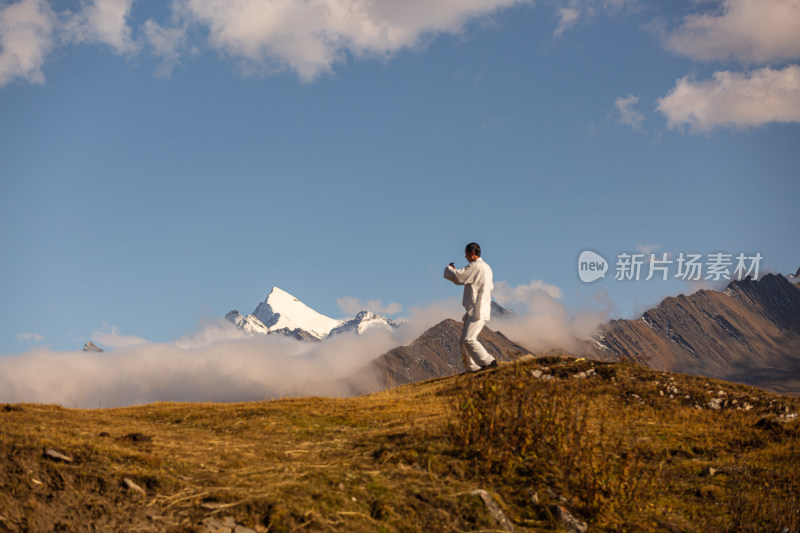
[436, 353]
[91, 347]
[749, 333]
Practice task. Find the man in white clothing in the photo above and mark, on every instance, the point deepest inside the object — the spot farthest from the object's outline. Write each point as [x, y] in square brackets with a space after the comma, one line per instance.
[476, 278]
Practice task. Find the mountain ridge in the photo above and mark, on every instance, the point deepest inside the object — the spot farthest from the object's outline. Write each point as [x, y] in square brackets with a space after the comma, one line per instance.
[435, 353]
[748, 333]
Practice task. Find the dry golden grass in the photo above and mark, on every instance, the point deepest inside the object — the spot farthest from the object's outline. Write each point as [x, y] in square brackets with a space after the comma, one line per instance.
[625, 455]
[610, 448]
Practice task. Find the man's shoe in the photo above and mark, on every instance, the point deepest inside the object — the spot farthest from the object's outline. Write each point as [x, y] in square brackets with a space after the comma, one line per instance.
[490, 366]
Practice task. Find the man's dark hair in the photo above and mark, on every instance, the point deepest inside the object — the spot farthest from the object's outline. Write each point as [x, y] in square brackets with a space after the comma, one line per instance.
[474, 248]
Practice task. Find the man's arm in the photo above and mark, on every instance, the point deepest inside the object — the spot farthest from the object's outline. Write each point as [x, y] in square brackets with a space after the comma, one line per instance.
[459, 276]
[449, 273]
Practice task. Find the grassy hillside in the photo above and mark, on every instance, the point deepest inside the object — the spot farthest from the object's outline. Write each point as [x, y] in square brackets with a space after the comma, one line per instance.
[617, 446]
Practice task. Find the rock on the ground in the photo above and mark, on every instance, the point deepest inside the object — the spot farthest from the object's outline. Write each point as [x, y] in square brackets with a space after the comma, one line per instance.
[133, 486]
[567, 521]
[224, 525]
[56, 455]
[494, 509]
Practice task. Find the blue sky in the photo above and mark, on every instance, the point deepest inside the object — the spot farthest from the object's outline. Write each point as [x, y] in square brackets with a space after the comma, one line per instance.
[161, 165]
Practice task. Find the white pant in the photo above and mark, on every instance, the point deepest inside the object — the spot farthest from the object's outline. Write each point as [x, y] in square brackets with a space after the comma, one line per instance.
[473, 354]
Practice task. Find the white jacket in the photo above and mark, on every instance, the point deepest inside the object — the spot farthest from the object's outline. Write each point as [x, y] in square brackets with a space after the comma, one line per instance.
[477, 280]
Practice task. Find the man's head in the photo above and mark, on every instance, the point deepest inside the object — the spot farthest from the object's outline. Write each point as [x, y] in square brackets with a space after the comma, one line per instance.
[472, 251]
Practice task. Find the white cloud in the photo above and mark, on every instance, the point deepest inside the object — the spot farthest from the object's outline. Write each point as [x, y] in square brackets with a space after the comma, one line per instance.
[647, 249]
[632, 5]
[27, 336]
[114, 339]
[221, 363]
[310, 36]
[216, 363]
[567, 17]
[306, 36]
[30, 30]
[734, 99]
[166, 43]
[542, 321]
[351, 306]
[570, 12]
[26, 37]
[104, 22]
[627, 114]
[748, 31]
[509, 295]
[232, 370]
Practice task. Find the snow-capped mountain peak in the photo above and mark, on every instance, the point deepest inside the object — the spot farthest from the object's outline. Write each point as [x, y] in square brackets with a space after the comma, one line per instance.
[248, 324]
[363, 321]
[282, 311]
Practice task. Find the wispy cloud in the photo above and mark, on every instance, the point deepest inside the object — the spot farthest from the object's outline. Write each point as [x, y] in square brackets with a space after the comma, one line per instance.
[567, 18]
[27, 336]
[572, 12]
[166, 43]
[351, 306]
[509, 295]
[733, 99]
[26, 38]
[310, 37]
[647, 249]
[30, 30]
[748, 31]
[627, 114]
[114, 339]
[264, 36]
[102, 22]
[649, 253]
[544, 322]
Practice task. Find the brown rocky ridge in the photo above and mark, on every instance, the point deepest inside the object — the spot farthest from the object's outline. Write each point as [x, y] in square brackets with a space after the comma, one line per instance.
[749, 333]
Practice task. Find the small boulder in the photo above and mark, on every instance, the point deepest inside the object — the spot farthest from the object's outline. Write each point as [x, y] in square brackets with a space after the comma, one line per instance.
[55, 455]
[715, 403]
[128, 482]
[567, 521]
[215, 525]
[494, 509]
[224, 525]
